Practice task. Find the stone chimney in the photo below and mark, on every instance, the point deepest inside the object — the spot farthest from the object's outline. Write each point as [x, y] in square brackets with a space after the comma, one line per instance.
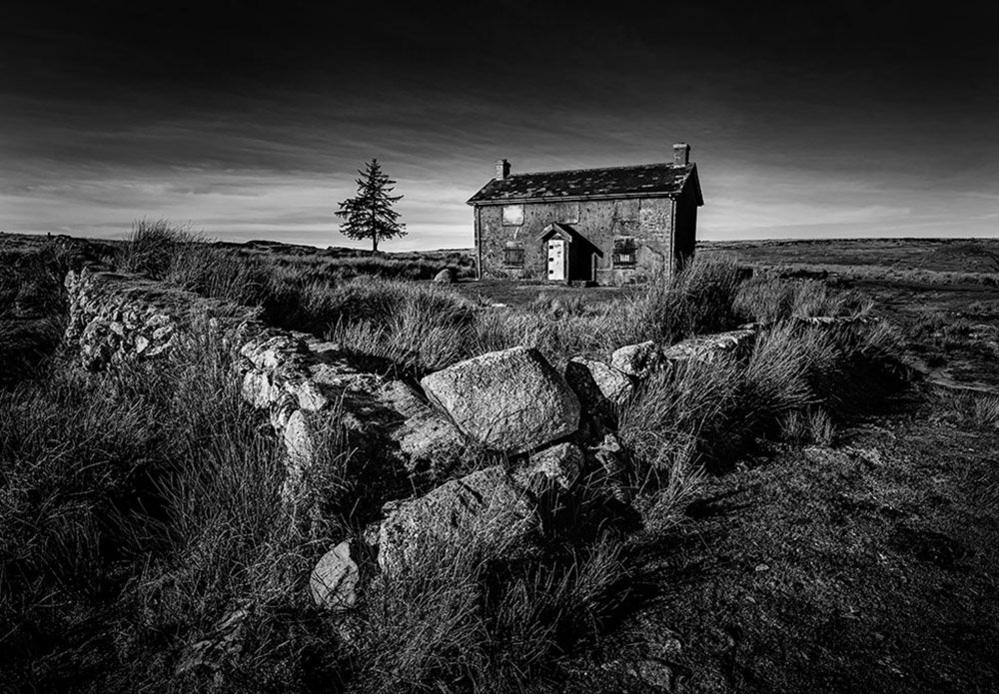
[502, 169]
[681, 154]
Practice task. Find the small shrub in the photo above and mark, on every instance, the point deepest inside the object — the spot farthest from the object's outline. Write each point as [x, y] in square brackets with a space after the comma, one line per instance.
[809, 426]
[821, 427]
[152, 247]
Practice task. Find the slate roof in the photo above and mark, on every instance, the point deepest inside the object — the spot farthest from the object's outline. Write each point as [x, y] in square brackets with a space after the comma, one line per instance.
[620, 181]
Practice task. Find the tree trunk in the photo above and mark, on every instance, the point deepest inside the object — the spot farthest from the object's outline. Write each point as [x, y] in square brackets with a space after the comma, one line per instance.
[374, 244]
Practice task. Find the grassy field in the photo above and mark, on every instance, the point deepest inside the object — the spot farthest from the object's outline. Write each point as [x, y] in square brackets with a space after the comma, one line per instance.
[928, 255]
[806, 519]
[942, 293]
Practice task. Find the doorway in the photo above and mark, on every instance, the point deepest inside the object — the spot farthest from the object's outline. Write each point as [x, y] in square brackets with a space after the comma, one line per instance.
[556, 260]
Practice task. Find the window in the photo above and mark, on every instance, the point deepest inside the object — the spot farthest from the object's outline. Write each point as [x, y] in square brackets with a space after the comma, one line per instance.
[513, 256]
[513, 215]
[626, 210]
[568, 212]
[625, 252]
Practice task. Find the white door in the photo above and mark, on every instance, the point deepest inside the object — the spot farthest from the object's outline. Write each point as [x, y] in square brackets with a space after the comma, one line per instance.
[556, 260]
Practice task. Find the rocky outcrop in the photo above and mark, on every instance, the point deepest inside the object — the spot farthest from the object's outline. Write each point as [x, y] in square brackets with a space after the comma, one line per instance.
[425, 436]
[486, 511]
[511, 401]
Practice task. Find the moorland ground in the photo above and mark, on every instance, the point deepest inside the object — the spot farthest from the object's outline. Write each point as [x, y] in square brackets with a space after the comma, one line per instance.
[842, 539]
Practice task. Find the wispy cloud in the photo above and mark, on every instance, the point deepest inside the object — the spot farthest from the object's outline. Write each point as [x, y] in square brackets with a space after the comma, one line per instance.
[804, 148]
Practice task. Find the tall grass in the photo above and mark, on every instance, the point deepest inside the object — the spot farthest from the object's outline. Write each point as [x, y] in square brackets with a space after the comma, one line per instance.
[32, 308]
[142, 518]
[713, 412]
[770, 299]
[146, 541]
[418, 327]
[421, 327]
[136, 504]
[466, 620]
[153, 247]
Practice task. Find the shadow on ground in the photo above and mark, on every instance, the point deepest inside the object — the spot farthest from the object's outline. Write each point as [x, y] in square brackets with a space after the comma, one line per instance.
[868, 566]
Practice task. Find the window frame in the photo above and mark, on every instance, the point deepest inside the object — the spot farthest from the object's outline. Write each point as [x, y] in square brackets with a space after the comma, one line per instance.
[513, 256]
[625, 247]
[504, 217]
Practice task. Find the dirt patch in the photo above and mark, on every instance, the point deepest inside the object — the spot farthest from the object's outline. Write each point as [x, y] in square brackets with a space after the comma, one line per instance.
[865, 567]
[518, 294]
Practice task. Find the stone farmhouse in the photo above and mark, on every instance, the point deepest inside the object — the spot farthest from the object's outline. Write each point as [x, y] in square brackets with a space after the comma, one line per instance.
[606, 226]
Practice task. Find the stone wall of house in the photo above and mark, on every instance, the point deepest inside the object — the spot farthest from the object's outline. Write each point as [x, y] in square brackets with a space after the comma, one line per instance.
[645, 222]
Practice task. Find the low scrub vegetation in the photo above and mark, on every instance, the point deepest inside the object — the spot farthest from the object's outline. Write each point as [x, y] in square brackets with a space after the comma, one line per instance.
[144, 541]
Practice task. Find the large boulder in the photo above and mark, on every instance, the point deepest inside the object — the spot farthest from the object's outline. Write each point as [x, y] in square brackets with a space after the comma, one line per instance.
[485, 511]
[709, 347]
[510, 401]
[333, 583]
[601, 389]
[637, 360]
[445, 276]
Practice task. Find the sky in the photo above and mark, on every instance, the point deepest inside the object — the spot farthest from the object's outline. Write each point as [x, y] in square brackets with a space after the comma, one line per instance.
[249, 120]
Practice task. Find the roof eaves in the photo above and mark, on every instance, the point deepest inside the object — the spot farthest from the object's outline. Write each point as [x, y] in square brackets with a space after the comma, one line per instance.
[573, 198]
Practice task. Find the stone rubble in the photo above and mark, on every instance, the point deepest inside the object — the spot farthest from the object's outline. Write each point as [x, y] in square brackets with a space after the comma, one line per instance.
[333, 583]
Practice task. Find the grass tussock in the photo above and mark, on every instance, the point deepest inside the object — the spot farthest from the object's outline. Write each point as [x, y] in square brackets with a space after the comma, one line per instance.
[796, 384]
[968, 407]
[463, 619]
[770, 299]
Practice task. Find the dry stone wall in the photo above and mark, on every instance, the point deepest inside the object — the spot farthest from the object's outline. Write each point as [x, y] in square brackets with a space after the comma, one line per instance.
[116, 318]
[538, 431]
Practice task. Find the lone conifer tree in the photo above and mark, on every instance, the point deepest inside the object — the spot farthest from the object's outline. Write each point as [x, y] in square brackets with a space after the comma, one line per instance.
[369, 214]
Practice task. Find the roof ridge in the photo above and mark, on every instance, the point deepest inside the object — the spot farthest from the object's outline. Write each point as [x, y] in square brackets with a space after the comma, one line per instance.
[599, 168]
